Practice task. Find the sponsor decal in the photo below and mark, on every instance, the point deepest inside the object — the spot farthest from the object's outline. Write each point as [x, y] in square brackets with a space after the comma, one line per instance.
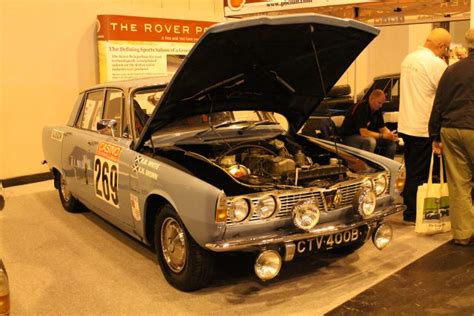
[106, 171]
[57, 135]
[146, 167]
[109, 151]
[135, 207]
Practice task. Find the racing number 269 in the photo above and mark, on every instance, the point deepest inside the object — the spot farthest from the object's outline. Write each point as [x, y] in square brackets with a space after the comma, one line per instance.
[106, 181]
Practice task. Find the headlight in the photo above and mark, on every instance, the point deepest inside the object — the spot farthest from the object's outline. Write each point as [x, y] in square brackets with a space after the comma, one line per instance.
[380, 184]
[367, 184]
[400, 179]
[366, 202]
[239, 210]
[306, 215]
[266, 206]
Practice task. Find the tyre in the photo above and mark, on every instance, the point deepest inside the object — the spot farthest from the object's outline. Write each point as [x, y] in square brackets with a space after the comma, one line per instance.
[69, 202]
[185, 265]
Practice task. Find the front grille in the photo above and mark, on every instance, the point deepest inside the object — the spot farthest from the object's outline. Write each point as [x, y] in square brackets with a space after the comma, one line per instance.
[288, 199]
[288, 202]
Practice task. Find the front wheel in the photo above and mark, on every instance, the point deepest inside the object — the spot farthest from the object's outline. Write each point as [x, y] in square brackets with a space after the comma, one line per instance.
[184, 263]
[69, 202]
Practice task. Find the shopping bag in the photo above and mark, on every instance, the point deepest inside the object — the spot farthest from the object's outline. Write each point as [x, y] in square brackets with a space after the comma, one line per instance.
[432, 204]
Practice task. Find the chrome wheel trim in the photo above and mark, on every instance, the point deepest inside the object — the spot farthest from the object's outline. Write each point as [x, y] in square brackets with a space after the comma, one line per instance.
[65, 190]
[173, 244]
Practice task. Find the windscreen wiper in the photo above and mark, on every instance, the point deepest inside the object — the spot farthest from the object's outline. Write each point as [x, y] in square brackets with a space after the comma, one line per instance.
[220, 125]
[233, 81]
[255, 124]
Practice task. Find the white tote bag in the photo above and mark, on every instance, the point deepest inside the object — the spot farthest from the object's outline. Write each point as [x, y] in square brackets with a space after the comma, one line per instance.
[432, 204]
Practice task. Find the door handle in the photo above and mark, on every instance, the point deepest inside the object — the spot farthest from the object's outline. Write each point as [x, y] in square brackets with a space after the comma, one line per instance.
[92, 143]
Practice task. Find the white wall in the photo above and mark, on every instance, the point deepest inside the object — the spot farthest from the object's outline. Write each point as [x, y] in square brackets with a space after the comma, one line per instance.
[385, 54]
[48, 53]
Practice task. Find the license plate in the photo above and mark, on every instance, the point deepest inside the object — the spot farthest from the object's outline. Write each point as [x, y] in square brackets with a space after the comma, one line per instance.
[332, 241]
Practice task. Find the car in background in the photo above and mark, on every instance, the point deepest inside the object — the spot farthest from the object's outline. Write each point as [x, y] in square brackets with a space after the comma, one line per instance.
[327, 118]
[390, 85]
[210, 160]
[336, 102]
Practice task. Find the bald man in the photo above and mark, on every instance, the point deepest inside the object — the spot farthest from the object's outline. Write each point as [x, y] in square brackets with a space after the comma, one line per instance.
[364, 127]
[419, 77]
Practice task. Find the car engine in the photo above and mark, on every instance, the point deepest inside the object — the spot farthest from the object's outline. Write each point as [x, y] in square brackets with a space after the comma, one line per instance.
[272, 162]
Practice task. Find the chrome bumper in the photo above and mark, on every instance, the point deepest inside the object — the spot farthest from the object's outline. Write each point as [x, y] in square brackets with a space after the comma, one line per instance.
[288, 236]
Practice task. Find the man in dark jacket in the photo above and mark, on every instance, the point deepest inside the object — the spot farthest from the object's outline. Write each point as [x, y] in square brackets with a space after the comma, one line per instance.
[451, 128]
[363, 126]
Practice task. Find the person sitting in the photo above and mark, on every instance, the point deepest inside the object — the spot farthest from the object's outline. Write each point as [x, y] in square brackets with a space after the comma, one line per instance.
[363, 126]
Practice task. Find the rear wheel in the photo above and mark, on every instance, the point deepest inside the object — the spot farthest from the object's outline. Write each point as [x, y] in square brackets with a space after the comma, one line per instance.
[184, 263]
[69, 202]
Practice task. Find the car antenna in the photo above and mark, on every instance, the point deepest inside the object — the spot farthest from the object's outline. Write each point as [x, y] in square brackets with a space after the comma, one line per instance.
[323, 86]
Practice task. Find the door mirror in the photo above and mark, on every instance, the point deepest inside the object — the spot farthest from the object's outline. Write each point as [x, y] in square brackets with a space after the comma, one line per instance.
[107, 127]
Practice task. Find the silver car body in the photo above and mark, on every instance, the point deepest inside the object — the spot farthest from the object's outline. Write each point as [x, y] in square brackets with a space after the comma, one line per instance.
[190, 150]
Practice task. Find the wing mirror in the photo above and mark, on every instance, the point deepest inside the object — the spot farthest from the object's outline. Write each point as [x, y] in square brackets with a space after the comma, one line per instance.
[107, 127]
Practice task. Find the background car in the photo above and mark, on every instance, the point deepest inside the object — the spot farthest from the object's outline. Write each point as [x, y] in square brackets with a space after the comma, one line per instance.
[327, 118]
[210, 161]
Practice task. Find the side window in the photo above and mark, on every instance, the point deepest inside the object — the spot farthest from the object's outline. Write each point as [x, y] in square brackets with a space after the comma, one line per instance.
[144, 102]
[91, 111]
[75, 111]
[113, 108]
[395, 88]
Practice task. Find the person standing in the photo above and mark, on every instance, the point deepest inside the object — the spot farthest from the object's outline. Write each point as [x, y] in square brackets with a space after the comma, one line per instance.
[419, 76]
[364, 127]
[451, 127]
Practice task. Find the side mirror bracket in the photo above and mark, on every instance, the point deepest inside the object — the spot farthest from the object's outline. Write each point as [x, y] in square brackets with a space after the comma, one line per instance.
[107, 127]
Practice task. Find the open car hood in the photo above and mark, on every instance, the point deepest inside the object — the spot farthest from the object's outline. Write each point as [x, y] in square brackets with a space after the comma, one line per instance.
[278, 64]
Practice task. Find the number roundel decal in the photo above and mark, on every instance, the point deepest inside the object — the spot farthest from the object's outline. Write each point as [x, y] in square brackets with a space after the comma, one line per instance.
[106, 173]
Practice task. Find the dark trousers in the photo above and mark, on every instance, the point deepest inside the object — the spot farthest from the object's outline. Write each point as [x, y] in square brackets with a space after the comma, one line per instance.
[417, 156]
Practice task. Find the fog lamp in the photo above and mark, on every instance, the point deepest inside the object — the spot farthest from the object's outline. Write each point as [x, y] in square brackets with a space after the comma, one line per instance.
[268, 265]
[266, 206]
[306, 215]
[382, 236]
[366, 202]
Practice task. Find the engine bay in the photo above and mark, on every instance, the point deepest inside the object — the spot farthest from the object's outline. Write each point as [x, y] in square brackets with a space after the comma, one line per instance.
[275, 162]
[272, 162]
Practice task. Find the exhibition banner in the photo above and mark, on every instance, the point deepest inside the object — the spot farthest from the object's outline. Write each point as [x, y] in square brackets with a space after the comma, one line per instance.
[252, 7]
[132, 47]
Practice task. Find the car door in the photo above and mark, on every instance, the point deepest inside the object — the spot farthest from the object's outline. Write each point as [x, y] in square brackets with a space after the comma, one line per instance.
[110, 174]
[76, 155]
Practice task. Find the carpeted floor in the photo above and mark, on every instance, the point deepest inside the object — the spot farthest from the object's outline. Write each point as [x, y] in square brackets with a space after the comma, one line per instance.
[76, 264]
